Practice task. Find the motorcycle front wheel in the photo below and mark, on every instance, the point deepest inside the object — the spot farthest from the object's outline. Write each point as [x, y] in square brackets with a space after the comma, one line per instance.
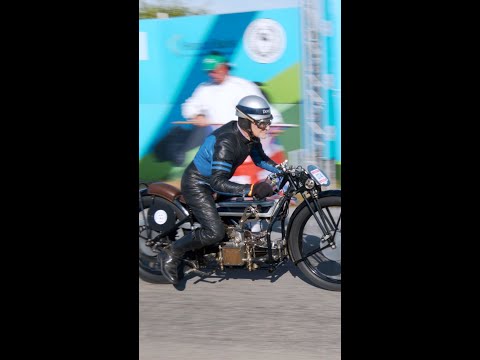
[321, 267]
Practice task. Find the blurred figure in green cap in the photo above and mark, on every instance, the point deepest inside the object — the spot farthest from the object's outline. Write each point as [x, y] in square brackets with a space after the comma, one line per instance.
[213, 102]
[211, 61]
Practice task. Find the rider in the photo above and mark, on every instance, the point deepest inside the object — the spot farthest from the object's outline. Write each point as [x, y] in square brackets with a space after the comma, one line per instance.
[209, 172]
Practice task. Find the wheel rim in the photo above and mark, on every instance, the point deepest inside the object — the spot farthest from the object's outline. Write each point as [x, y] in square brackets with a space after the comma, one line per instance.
[325, 264]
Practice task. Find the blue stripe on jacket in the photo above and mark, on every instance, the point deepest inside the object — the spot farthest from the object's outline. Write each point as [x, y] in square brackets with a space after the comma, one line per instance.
[203, 159]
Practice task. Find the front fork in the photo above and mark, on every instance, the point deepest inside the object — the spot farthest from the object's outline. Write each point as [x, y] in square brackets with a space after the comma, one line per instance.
[325, 222]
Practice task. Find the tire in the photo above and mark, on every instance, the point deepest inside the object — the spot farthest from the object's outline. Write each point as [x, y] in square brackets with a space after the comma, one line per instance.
[148, 268]
[322, 269]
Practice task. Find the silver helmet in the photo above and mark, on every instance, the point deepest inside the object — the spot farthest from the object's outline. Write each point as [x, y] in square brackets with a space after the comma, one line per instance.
[254, 108]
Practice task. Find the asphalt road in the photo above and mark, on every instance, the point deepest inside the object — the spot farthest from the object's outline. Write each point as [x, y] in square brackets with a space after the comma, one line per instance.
[249, 315]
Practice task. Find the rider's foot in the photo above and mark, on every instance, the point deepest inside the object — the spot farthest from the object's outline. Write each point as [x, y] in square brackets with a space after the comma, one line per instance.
[169, 266]
[171, 257]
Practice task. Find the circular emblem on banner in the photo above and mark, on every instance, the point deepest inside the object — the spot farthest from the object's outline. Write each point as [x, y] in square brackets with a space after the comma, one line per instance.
[264, 40]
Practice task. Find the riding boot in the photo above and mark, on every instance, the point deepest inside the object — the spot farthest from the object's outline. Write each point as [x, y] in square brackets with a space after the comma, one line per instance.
[171, 258]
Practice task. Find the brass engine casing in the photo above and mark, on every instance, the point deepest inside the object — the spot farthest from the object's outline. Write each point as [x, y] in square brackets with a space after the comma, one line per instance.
[233, 255]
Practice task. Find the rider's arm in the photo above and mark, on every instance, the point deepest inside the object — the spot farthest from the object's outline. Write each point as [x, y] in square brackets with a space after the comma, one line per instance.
[196, 104]
[261, 159]
[222, 170]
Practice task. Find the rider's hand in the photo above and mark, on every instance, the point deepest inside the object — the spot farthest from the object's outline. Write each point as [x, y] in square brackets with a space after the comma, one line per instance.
[200, 120]
[261, 190]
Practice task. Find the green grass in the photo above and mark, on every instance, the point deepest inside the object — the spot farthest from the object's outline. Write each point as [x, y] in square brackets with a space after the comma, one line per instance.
[152, 170]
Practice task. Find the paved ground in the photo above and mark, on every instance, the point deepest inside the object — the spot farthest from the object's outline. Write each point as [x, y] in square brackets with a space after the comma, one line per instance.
[247, 316]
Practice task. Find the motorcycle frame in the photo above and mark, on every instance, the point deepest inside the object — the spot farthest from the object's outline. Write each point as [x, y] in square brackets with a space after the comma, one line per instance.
[280, 214]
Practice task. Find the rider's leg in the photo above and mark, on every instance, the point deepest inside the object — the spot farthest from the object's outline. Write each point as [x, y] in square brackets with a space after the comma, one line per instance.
[201, 202]
[171, 258]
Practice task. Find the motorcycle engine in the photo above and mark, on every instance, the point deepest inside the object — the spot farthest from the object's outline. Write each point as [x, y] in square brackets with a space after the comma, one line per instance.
[244, 248]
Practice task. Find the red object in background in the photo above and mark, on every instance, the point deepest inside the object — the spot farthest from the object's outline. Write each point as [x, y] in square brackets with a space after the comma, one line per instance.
[252, 171]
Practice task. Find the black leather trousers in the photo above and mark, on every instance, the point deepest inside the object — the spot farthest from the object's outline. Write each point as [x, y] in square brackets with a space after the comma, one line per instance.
[199, 196]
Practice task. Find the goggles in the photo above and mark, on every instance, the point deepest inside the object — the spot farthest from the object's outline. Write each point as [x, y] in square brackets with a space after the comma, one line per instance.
[262, 124]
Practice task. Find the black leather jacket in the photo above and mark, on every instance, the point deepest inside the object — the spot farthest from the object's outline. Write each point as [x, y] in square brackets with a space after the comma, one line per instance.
[219, 156]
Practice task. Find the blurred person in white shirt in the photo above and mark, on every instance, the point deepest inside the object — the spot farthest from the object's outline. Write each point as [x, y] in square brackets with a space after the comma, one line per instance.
[212, 104]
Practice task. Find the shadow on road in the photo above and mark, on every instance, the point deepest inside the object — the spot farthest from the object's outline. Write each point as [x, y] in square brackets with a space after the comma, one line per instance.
[241, 273]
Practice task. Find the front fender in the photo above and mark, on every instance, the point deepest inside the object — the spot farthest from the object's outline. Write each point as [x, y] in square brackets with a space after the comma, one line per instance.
[322, 194]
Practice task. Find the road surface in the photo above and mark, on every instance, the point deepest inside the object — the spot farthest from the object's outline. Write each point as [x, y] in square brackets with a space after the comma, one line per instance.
[248, 315]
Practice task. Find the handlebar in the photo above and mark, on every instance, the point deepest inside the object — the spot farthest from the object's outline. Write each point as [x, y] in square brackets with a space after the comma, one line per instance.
[276, 179]
[284, 168]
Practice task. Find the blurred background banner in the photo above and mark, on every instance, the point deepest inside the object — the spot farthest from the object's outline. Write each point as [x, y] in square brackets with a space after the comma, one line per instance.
[321, 120]
[293, 54]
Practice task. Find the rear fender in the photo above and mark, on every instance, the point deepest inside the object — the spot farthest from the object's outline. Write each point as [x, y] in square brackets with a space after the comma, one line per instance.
[167, 192]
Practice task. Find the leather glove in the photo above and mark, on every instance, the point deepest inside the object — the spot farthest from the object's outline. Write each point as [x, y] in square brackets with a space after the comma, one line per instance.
[261, 190]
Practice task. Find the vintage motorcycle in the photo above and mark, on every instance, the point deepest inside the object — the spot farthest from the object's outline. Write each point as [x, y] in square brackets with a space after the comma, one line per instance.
[311, 239]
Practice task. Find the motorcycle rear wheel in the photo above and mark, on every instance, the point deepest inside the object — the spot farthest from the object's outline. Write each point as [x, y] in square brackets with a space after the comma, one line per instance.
[322, 269]
[148, 267]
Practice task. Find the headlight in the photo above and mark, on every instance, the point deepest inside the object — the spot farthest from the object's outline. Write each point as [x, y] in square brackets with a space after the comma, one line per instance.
[309, 184]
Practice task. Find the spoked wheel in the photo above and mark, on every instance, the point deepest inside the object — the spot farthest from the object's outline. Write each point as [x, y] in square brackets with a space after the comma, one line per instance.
[321, 267]
[148, 267]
